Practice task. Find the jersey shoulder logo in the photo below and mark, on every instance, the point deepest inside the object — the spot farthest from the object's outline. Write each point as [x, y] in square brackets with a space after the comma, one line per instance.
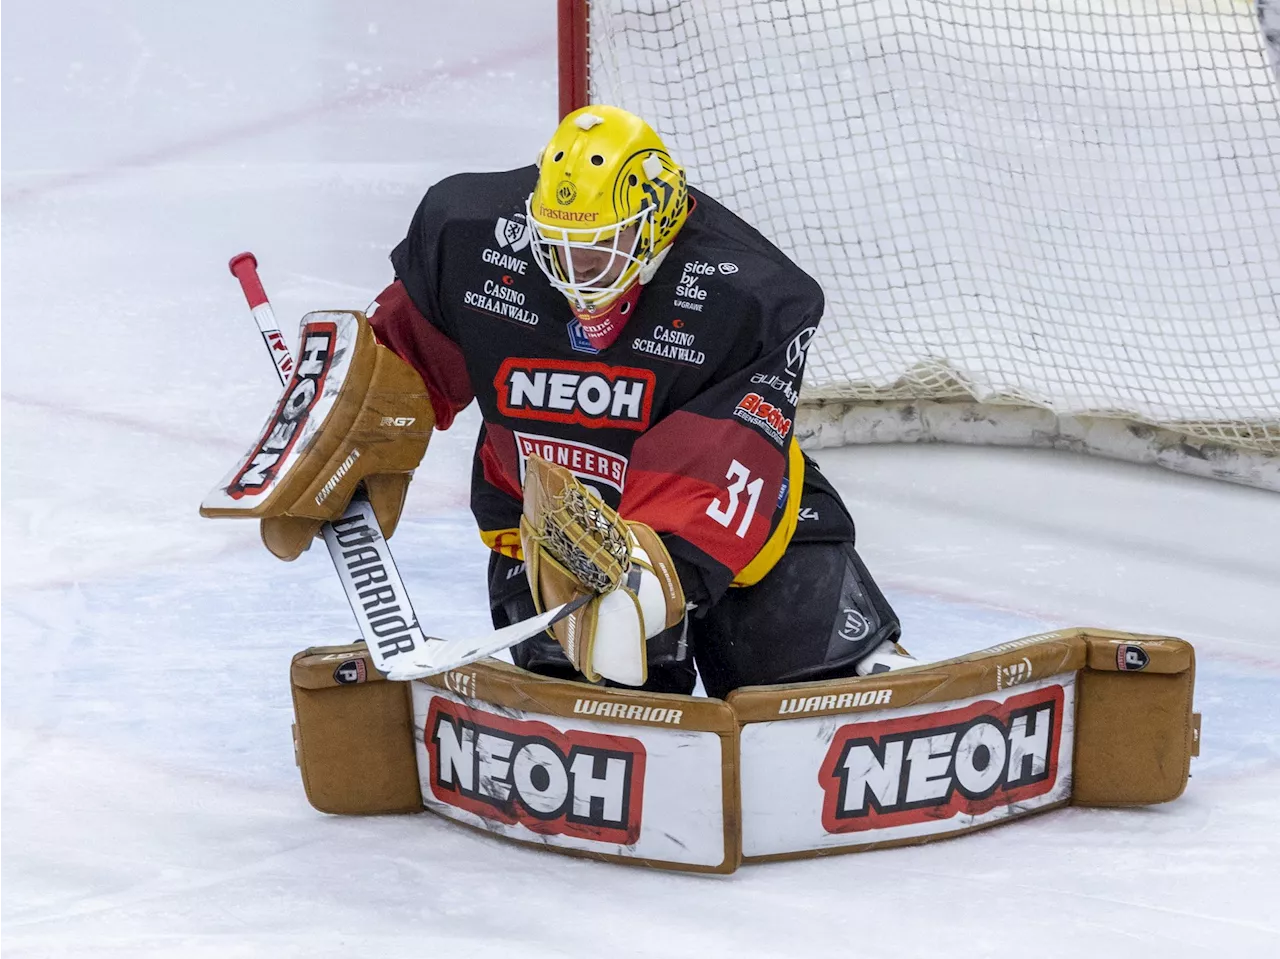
[797, 349]
[512, 234]
[593, 395]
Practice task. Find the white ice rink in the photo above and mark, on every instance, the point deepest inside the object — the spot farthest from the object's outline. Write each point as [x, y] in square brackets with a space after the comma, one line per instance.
[151, 806]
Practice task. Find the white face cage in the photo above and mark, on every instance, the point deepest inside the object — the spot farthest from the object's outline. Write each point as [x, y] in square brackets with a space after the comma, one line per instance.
[593, 292]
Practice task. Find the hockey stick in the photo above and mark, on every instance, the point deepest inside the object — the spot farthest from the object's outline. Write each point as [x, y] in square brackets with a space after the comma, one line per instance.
[361, 556]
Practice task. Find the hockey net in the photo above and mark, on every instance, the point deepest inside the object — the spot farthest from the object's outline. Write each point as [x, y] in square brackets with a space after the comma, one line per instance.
[1052, 222]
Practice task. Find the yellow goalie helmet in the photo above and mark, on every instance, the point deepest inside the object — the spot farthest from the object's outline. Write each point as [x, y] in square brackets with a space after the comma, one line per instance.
[609, 195]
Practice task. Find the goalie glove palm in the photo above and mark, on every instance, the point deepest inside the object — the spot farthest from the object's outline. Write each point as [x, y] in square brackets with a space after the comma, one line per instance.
[353, 413]
[575, 545]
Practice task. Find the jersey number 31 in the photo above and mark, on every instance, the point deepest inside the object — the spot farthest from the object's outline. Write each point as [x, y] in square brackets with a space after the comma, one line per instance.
[724, 513]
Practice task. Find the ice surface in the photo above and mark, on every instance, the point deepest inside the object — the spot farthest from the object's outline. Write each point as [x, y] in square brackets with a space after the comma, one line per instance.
[150, 802]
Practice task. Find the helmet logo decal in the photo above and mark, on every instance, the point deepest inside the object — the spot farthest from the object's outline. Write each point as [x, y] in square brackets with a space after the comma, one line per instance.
[566, 193]
[573, 216]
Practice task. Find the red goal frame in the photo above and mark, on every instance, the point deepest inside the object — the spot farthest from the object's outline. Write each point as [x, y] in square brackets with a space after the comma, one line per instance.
[572, 17]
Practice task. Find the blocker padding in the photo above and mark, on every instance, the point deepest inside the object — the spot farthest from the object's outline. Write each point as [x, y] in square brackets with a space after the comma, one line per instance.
[353, 741]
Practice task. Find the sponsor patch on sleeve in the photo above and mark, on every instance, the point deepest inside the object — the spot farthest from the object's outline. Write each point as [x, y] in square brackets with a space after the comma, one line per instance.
[753, 409]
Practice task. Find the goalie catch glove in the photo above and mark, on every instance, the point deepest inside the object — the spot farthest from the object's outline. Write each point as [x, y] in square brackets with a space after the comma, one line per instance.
[575, 545]
[354, 413]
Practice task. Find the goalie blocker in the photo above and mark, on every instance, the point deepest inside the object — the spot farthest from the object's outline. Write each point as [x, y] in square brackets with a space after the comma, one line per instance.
[1088, 717]
[352, 414]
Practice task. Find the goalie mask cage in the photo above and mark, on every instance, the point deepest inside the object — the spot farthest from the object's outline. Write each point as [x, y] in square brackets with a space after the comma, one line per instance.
[1047, 223]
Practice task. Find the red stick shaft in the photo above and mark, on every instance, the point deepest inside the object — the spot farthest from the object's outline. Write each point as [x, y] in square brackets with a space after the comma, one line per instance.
[244, 267]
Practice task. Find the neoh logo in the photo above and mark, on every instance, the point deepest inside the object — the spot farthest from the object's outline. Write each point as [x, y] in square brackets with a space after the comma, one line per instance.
[571, 783]
[568, 391]
[306, 387]
[938, 765]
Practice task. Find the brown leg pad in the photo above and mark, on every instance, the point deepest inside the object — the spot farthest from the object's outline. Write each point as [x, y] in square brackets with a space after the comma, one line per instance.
[703, 784]
[354, 737]
[1134, 737]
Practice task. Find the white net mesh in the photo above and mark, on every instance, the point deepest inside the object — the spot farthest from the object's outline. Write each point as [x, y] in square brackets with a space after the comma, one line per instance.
[1070, 204]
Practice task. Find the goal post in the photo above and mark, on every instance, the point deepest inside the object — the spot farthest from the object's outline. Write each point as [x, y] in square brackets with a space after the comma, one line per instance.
[1048, 223]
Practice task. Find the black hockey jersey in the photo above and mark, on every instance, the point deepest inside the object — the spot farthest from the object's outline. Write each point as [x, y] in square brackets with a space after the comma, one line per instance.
[684, 423]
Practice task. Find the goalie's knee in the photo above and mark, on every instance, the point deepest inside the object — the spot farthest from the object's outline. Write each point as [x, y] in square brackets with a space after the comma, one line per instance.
[815, 616]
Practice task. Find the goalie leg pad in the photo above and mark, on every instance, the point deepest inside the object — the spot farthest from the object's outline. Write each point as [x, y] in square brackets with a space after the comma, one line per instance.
[779, 772]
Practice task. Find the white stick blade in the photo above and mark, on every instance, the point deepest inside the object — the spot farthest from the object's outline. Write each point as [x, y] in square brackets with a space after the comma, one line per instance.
[442, 655]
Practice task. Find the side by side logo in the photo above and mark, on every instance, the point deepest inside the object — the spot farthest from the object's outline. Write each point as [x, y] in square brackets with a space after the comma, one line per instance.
[570, 783]
[936, 766]
[569, 391]
[305, 389]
